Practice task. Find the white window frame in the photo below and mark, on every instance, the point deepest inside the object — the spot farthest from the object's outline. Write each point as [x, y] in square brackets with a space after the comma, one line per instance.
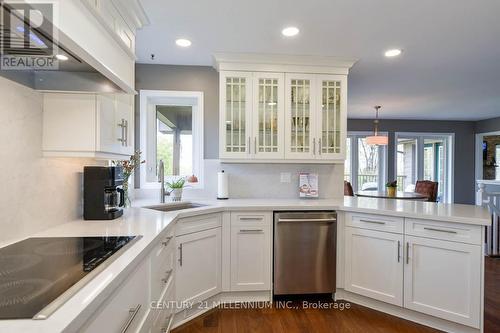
[382, 176]
[420, 137]
[148, 100]
[479, 156]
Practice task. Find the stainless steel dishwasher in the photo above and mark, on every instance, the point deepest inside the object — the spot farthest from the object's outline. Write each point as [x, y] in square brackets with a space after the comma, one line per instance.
[304, 252]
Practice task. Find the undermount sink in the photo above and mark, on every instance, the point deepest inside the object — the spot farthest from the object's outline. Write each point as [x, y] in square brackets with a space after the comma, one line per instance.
[170, 207]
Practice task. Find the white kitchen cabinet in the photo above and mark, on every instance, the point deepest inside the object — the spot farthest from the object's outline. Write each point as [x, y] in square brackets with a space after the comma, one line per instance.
[125, 309]
[298, 112]
[268, 116]
[316, 116]
[198, 267]
[251, 251]
[88, 125]
[235, 114]
[443, 279]
[374, 264]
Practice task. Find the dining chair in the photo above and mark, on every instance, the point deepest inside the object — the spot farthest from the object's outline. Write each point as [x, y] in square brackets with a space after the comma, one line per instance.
[348, 189]
[427, 188]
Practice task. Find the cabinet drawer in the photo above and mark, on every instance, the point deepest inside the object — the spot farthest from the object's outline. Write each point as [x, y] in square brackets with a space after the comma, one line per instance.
[456, 232]
[251, 217]
[375, 222]
[125, 309]
[198, 223]
[162, 265]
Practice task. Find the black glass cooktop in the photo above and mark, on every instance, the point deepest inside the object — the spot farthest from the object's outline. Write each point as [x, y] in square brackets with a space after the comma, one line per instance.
[36, 271]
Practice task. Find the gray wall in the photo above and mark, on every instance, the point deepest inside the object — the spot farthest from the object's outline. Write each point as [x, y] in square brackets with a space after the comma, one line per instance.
[190, 78]
[464, 147]
[488, 125]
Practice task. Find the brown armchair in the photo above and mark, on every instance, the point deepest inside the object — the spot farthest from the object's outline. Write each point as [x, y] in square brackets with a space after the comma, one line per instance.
[427, 188]
[348, 189]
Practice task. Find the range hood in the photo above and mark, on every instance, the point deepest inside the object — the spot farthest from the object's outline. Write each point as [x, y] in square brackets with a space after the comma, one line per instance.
[72, 74]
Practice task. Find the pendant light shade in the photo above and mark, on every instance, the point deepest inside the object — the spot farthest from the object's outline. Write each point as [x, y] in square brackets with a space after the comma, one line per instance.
[376, 138]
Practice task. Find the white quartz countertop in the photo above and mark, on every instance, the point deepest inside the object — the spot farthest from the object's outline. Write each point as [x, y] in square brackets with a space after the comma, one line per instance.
[152, 225]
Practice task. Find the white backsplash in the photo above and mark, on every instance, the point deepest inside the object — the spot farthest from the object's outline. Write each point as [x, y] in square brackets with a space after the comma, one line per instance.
[264, 181]
[36, 192]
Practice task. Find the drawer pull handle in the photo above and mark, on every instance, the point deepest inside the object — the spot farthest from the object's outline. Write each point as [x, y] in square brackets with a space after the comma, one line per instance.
[167, 240]
[251, 230]
[330, 220]
[132, 313]
[374, 222]
[251, 218]
[180, 254]
[167, 277]
[441, 230]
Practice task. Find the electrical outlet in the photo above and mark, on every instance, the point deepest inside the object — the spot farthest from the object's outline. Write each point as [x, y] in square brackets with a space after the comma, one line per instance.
[286, 177]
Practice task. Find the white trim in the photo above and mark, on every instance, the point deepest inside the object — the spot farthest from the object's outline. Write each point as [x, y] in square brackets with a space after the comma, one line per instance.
[171, 97]
[255, 62]
[383, 159]
[478, 154]
[450, 182]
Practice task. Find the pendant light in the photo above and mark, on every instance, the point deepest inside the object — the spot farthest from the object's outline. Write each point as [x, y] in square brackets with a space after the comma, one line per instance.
[376, 138]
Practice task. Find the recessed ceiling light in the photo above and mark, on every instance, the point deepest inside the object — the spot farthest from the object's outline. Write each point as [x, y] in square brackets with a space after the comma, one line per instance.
[183, 42]
[61, 57]
[392, 53]
[290, 31]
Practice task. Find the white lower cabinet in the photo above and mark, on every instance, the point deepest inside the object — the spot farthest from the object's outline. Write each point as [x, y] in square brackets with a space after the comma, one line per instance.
[251, 251]
[125, 309]
[443, 279]
[374, 264]
[427, 273]
[198, 267]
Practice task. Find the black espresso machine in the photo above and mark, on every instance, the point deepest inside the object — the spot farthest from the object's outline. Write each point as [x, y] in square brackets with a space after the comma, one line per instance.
[103, 195]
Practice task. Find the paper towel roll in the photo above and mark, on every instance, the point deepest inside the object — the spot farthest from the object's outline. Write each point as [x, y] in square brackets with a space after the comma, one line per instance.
[222, 185]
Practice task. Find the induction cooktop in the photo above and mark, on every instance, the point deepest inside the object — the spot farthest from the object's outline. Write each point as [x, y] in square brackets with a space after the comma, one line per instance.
[37, 275]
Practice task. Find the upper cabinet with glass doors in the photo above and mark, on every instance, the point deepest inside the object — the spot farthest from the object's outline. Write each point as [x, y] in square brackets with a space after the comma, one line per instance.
[285, 115]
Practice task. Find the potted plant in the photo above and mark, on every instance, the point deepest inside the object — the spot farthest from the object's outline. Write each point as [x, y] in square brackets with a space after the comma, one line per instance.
[391, 188]
[128, 167]
[176, 187]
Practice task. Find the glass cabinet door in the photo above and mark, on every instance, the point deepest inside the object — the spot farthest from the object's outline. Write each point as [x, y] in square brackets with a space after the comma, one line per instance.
[236, 95]
[268, 115]
[331, 131]
[300, 141]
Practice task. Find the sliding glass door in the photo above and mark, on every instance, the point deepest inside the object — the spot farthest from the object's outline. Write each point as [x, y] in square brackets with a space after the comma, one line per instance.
[426, 156]
[365, 166]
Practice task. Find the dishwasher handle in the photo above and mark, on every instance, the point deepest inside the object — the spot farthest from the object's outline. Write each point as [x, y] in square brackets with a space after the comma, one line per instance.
[324, 220]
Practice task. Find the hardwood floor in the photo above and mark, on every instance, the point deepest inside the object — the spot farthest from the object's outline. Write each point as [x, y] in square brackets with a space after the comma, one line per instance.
[353, 320]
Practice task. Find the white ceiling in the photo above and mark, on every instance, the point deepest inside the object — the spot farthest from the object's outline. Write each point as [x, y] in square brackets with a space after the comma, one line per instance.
[449, 69]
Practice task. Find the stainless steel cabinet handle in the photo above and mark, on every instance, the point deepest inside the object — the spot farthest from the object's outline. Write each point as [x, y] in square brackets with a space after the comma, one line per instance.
[167, 240]
[407, 253]
[125, 138]
[319, 146]
[249, 151]
[122, 126]
[132, 313]
[251, 230]
[370, 221]
[180, 254]
[314, 146]
[167, 276]
[255, 145]
[441, 230]
[243, 218]
[399, 251]
[307, 220]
